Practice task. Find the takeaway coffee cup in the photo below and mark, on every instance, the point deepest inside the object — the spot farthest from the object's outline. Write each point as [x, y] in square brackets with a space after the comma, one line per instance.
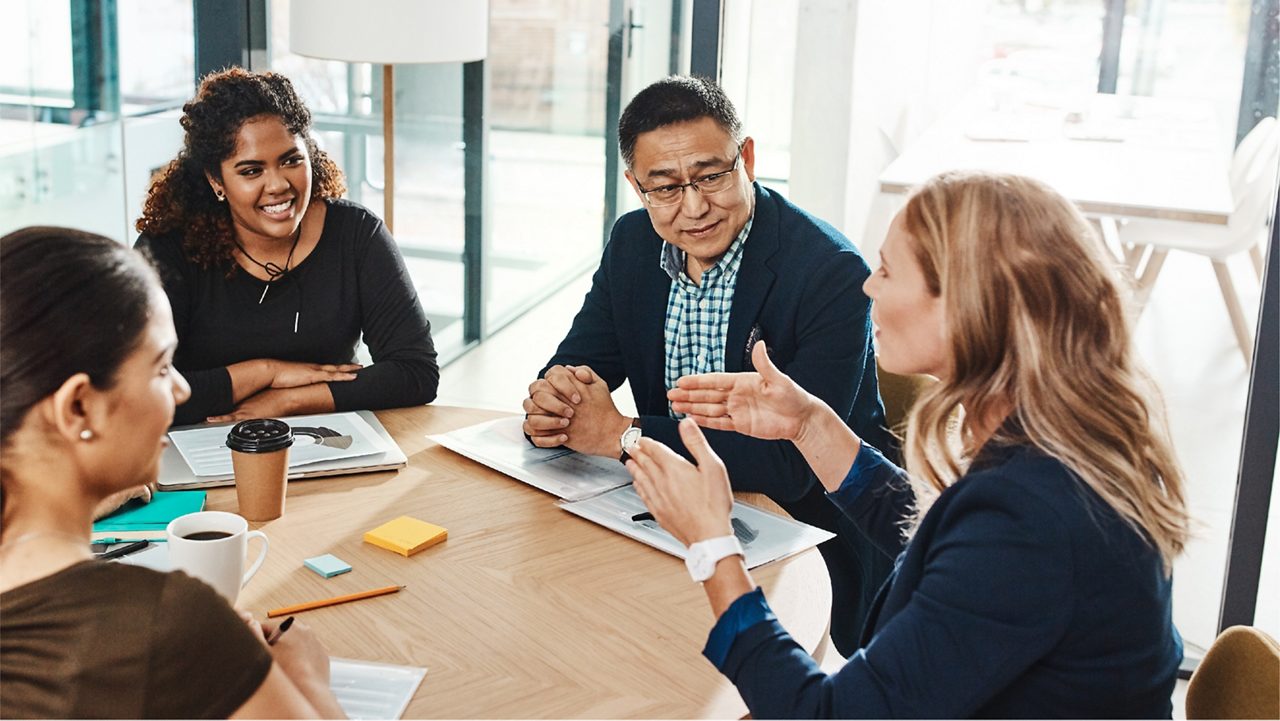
[210, 546]
[260, 459]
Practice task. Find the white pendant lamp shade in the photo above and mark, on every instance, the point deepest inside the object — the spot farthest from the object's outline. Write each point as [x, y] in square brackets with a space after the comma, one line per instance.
[390, 31]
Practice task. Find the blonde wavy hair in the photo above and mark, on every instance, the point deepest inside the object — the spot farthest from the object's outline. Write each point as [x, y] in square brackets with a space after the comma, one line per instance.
[1037, 327]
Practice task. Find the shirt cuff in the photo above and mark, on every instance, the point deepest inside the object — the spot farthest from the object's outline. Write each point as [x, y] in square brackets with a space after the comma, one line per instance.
[748, 610]
[867, 465]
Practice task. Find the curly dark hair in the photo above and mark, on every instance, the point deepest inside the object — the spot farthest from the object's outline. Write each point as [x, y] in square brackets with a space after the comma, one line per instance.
[180, 198]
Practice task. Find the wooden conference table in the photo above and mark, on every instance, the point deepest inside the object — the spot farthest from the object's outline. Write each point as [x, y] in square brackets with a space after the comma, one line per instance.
[526, 610]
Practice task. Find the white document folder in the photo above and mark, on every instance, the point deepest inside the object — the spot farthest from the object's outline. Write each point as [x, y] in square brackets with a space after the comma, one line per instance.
[599, 490]
[371, 449]
[501, 445]
[765, 536]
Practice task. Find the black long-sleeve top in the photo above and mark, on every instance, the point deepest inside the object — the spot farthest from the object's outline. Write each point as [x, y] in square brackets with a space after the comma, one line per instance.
[353, 283]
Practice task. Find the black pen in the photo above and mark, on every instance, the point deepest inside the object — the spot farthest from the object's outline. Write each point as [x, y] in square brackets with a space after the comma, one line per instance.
[646, 516]
[276, 634]
[124, 550]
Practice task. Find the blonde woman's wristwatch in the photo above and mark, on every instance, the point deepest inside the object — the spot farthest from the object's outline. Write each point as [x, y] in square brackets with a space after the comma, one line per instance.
[703, 556]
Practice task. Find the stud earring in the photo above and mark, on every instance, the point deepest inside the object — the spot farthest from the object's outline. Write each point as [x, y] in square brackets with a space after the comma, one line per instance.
[221, 197]
[86, 435]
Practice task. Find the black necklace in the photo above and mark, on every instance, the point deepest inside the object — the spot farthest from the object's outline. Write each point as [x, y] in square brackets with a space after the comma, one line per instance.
[274, 272]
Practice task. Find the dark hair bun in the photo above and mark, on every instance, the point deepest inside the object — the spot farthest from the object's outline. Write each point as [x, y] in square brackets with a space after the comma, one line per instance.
[71, 302]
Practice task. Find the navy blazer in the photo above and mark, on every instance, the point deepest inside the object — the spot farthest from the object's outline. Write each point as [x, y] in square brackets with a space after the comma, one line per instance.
[799, 288]
[1021, 595]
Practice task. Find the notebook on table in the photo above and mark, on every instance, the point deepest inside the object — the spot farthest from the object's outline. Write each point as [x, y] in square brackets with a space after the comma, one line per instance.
[328, 444]
[152, 517]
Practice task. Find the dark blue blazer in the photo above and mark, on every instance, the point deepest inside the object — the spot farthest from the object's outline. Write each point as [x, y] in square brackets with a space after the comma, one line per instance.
[799, 288]
[1021, 595]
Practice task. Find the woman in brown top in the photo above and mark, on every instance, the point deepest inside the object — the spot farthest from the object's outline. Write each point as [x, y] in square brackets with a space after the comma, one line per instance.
[86, 343]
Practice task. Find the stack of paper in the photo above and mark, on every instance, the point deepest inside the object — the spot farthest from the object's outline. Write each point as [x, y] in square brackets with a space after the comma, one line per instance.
[501, 445]
[328, 437]
[599, 490]
[765, 537]
[368, 690]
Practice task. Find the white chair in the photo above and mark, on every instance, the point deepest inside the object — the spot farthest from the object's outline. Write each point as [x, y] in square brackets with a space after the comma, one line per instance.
[1253, 177]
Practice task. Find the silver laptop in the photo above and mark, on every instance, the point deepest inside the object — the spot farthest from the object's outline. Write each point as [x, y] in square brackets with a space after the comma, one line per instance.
[176, 474]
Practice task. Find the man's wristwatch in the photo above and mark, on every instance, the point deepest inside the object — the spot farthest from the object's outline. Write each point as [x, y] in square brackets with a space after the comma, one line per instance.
[630, 437]
[704, 555]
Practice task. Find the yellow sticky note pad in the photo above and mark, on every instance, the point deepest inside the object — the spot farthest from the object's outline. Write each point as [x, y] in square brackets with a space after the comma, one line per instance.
[406, 535]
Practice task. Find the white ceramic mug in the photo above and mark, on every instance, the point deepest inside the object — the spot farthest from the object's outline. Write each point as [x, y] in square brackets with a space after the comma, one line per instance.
[218, 562]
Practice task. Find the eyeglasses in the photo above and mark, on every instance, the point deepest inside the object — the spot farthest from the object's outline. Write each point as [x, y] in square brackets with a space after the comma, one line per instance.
[665, 195]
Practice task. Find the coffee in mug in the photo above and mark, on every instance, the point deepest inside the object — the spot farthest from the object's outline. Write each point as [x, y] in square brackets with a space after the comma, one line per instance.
[206, 535]
[210, 546]
[260, 459]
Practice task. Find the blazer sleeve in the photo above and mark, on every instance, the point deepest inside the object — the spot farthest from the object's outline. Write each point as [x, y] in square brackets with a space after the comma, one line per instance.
[995, 595]
[877, 496]
[211, 392]
[832, 335]
[404, 370]
[593, 338]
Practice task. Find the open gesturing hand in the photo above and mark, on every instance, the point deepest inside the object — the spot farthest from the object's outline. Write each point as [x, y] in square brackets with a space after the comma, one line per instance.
[766, 404]
[691, 502]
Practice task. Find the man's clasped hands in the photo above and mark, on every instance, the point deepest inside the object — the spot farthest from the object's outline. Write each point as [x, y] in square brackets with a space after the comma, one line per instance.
[571, 406]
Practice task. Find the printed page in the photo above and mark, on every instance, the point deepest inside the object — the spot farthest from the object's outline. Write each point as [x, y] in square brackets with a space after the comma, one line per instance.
[764, 536]
[316, 438]
[501, 445]
[370, 690]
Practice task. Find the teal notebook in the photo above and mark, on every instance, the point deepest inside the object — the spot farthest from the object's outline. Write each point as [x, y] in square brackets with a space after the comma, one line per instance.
[154, 516]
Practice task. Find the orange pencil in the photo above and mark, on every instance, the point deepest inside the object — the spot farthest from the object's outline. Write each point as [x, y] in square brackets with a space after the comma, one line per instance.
[332, 601]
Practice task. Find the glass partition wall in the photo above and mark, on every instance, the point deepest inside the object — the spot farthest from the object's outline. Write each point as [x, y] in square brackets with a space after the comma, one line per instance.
[90, 91]
[547, 96]
[87, 92]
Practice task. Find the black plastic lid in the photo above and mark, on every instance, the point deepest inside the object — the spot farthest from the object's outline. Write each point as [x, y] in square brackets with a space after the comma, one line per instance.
[260, 435]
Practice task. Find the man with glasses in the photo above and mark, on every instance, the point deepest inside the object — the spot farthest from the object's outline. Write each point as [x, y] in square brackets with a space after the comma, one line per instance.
[714, 264]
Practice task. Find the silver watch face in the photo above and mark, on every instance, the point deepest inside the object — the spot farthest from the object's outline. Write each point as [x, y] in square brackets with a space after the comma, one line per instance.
[631, 438]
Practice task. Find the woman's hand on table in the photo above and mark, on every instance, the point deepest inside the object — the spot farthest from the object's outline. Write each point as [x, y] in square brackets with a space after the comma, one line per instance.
[280, 402]
[766, 404]
[690, 502]
[300, 653]
[119, 498]
[290, 374]
[303, 659]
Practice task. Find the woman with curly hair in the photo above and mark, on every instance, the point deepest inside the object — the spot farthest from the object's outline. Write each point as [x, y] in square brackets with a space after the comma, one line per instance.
[272, 276]
[1041, 506]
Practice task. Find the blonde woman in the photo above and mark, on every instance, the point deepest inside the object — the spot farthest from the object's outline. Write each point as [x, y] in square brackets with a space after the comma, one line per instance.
[1034, 536]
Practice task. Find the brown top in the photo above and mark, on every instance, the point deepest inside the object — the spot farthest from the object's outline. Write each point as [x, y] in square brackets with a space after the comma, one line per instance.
[108, 640]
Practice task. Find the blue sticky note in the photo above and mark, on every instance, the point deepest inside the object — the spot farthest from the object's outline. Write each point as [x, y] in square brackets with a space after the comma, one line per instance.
[327, 565]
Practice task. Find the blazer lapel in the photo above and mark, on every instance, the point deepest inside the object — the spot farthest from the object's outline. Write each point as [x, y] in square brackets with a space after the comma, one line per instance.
[755, 279]
[649, 310]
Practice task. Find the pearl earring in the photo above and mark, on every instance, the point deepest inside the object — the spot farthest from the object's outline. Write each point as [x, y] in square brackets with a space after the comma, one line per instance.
[86, 435]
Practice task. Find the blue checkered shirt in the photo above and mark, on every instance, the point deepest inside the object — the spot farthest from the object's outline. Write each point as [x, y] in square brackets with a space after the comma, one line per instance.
[698, 315]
